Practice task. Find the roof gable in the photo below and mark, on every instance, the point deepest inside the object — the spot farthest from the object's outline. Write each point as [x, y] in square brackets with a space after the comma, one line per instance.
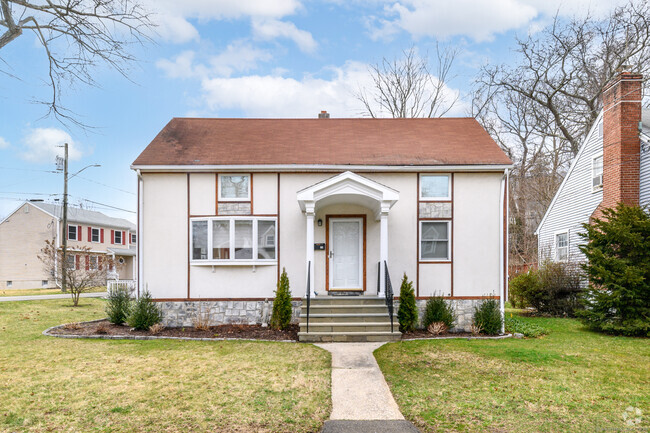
[384, 142]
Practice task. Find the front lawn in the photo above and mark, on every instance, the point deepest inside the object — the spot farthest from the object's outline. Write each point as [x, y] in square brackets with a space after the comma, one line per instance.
[52, 384]
[569, 380]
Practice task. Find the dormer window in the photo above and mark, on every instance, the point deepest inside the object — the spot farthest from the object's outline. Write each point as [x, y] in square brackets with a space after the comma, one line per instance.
[597, 173]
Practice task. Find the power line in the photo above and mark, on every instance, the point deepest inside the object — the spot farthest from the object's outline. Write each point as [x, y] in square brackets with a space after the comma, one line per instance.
[107, 186]
[107, 205]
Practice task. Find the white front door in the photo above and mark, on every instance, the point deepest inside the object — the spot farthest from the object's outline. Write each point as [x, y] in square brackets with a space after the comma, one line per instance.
[346, 254]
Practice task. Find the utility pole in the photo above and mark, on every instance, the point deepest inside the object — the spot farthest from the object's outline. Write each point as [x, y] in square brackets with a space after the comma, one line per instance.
[64, 264]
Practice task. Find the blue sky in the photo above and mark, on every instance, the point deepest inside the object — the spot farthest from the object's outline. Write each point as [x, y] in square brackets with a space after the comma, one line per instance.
[245, 58]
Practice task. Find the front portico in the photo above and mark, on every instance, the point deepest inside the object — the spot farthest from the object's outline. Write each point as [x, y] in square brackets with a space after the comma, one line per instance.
[347, 231]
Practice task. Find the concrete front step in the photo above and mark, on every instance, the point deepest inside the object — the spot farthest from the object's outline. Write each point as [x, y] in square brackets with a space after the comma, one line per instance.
[346, 327]
[348, 336]
[352, 300]
[347, 317]
[337, 309]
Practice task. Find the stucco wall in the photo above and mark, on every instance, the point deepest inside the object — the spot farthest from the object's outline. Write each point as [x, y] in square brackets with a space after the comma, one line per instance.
[476, 234]
[165, 230]
[22, 236]
[203, 193]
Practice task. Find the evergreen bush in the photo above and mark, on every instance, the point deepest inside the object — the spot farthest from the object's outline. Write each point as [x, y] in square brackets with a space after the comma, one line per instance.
[520, 286]
[487, 316]
[281, 315]
[407, 314]
[438, 310]
[618, 252]
[145, 313]
[118, 305]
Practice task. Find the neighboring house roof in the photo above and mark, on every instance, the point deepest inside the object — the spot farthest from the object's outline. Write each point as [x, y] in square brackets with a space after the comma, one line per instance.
[123, 251]
[84, 216]
[383, 142]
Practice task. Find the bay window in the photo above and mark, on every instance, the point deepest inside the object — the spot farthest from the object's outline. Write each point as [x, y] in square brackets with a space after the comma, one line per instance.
[233, 240]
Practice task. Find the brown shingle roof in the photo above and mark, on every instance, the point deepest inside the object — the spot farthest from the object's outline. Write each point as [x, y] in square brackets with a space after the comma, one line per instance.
[445, 141]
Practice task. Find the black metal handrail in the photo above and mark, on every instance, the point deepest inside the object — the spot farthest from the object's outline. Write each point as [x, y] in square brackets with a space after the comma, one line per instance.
[388, 292]
[308, 294]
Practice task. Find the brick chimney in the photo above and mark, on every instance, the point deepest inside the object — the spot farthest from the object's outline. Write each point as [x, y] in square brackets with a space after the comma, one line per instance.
[621, 142]
[323, 115]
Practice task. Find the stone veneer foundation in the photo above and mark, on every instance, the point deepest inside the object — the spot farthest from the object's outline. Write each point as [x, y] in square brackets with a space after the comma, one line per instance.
[184, 313]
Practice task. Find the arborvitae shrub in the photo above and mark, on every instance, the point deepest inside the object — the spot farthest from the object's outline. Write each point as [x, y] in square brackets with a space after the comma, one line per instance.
[438, 310]
[118, 305]
[618, 252]
[281, 315]
[145, 313]
[488, 317]
[407, 314]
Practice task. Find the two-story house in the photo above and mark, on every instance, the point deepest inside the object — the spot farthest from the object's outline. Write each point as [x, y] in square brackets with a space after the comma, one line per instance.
[612, 166]
[23, 234]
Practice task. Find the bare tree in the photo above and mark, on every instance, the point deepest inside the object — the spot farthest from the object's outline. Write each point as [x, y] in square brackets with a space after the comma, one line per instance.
[76, 36]
[407, 87]
[82, 273]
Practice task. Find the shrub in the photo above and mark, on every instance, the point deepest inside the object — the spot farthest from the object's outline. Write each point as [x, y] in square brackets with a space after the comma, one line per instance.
[156, 328]
[437, 328]
[118, 305]
[520, 286]
[487, 316]
[202, 318]
[102, 328]
[512, 325]
[618, 250]
[407, 314]
[438, 310]
[145, 313]
[281, 315]
[554, 289]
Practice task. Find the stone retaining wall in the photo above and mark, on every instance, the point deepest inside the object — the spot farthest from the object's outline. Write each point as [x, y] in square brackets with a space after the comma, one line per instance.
[185, 313]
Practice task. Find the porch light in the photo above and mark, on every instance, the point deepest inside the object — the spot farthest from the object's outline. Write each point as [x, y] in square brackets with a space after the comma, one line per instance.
[320, 222]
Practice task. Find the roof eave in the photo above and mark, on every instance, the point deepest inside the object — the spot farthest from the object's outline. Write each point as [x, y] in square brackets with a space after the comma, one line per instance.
[321, 168]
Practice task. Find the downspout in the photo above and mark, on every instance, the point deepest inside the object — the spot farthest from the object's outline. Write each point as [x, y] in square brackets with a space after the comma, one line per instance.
[56, 254]
[139, 231]
[502, 260]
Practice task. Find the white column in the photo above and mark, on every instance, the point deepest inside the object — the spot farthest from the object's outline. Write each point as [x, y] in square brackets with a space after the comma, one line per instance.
[309, 217]
[383, 249]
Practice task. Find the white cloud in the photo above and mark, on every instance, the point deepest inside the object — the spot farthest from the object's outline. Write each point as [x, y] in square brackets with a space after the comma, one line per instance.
[268, 29]
[172, 16]
[239, 56]
[277, 96]
[41, 145]
[478, 19]
[3, 143]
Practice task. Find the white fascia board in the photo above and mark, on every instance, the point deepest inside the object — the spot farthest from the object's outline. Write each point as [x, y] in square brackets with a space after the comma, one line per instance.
[261, 168]
[573, 165]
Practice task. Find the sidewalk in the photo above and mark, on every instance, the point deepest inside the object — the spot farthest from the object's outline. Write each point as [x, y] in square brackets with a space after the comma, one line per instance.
[361, 399]
[42, 297]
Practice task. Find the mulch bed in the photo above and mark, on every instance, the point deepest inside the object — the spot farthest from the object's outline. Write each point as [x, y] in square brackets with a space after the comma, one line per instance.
[250, 332]
[423, 333]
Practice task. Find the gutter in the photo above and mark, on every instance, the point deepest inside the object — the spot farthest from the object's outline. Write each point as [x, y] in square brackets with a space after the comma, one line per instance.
[261, 168]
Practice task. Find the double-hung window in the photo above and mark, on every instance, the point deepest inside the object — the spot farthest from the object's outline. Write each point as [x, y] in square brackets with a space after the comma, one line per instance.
[117, 237]
[94, 263]
[435, 240]
[561, 246]
[94, 235]
[71, 259]
[72, 232]
[597, 173]
[234, 187]
[435, 187]
[233, 240]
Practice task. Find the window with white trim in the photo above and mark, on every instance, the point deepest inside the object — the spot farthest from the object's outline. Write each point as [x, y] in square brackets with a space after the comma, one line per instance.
[597, 173]
[72, 232]
[435, 240]
[233, 239]
[234, 187]
[71, 260]
[435, 187]
[94, 235]
[133, 238]
[93, 263]
[117, 237]
[562, 246]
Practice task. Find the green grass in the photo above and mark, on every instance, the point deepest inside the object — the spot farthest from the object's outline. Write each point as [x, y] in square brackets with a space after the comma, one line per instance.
[570, 380]
[53, 384]
[36, 292]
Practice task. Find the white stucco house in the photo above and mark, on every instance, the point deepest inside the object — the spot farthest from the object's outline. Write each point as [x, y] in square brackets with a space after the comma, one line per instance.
[226, 204]
[612, 165]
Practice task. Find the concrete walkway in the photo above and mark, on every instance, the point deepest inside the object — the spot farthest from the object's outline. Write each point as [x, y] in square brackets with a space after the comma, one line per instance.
[42, 297]
[361, 399]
